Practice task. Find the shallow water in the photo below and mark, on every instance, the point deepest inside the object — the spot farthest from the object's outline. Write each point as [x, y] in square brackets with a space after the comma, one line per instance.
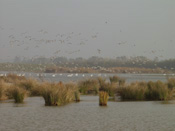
[66, 77]
[87, 115]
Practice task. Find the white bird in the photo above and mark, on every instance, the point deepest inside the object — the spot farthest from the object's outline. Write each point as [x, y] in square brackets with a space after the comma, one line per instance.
[99, 51]
[1, 74]
[99, 74]
[70, 75]
[18, 74]
[53, 75]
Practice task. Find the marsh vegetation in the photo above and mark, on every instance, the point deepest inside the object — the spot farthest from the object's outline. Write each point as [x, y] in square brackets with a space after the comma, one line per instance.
[103, 98]
[59, 93]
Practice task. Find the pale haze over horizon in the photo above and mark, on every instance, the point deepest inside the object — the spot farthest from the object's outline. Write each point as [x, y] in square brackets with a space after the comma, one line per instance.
[85, 28]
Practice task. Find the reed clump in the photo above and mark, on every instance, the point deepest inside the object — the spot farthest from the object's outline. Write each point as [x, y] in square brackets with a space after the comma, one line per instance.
[116, 79]
[157, 91]
[36, 90]
[145, 91]
[56, 94]
[27, 84]
[50, 94]
[2, 89]
[75, 90]
[134, 91]
[171, 83]
[121, 82]
[18, 94]
[103, 98]
[31, 85]
[109, 87]
[89, 86]
[77, 96]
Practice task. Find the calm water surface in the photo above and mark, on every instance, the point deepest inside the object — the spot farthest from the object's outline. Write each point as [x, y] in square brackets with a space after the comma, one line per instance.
[87, 116]
[66, 77]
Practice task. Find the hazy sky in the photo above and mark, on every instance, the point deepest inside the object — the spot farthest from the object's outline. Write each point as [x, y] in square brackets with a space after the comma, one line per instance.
[85, 28]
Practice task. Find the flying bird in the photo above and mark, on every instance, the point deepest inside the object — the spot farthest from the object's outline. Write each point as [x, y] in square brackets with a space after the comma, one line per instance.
[99, 51]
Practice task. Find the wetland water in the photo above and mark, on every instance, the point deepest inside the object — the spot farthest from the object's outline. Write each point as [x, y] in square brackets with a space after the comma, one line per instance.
[87, 115]
[67, 77]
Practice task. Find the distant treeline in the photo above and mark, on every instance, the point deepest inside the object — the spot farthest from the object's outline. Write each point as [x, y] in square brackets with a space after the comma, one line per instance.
[123, 61]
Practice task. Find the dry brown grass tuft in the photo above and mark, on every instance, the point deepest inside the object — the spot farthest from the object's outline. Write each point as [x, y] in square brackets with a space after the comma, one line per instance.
[56, 94]
[103, 98]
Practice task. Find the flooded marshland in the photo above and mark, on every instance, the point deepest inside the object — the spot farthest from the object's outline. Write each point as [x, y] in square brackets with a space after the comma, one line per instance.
[75, 41]
[87, 115]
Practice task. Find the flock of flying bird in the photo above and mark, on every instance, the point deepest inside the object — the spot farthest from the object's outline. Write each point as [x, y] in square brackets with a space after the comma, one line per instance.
[27, 42]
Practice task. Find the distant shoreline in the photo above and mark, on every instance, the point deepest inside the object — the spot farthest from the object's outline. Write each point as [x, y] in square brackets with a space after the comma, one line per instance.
[37, 68]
